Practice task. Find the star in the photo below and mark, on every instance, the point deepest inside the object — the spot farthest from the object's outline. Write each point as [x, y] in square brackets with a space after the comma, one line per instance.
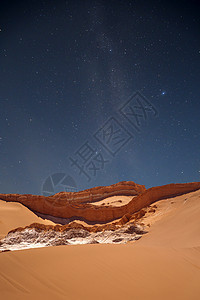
[163, 93]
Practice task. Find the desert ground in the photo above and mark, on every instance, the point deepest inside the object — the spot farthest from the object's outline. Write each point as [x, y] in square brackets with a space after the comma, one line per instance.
[114, 201]
[163, 264]
[13, 215]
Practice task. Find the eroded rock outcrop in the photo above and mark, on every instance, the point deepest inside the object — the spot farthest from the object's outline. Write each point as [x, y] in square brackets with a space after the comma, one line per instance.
[68, 205]
[125, 188]
[34, 236]
[75, 204]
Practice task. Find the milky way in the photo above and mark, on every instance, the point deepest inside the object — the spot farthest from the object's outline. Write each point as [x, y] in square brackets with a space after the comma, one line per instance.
[97, 92]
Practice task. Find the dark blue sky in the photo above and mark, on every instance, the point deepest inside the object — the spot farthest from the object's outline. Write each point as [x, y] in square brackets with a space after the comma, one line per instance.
[68, 71]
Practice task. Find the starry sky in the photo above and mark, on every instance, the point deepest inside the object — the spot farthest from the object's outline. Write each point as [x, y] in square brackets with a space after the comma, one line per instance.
[97, 92]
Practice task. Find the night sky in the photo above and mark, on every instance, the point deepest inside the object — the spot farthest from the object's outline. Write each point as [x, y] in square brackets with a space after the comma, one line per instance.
[97, 92]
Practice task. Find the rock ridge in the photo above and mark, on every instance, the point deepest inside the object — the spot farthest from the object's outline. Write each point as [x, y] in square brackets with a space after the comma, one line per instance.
[68, 205]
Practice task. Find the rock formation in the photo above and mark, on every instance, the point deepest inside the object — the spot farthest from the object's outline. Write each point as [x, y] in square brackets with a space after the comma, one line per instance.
[125, 188]
[122, 224]
[35, 236]
[68, 205]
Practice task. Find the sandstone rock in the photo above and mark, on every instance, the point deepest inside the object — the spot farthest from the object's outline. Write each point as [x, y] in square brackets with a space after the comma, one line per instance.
[58, 242]
[95, 194]
[151, 210]
[125, 219]
[76, 233]
[68, 205]
[93, 242]
[131, 229]
[117, 240]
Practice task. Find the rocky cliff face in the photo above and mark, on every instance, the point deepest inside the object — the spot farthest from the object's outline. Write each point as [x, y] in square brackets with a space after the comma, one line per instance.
[68, 205]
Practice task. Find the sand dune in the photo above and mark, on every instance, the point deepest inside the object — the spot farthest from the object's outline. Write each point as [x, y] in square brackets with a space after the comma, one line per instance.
[100, 272]
[177, 224]
[163, 264]
[14, 215]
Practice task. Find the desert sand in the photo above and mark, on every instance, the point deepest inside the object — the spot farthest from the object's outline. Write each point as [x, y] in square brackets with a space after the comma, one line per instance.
[114, 201]
[163, 264]
[14, 215]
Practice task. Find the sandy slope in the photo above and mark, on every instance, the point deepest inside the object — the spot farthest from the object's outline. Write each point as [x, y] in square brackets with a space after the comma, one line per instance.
[164, 264]
[114, 201]
[177, 224]
[13, 215]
